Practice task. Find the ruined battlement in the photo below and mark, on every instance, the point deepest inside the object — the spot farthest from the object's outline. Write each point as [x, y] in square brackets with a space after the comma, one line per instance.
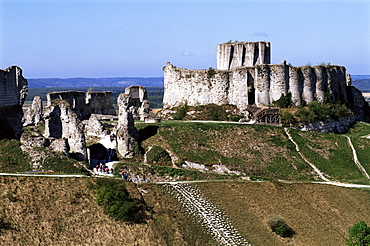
[85, 104]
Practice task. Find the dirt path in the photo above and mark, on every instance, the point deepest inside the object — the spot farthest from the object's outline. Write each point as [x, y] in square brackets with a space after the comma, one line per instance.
[357, 162]
[206, 213]
[321, 175]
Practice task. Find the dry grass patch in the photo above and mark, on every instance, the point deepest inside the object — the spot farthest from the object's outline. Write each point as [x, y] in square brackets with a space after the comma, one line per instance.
[318, 214]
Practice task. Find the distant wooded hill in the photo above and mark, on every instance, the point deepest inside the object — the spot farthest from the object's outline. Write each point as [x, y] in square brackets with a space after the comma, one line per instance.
[155, 94]
[96, 82]
[361, 82]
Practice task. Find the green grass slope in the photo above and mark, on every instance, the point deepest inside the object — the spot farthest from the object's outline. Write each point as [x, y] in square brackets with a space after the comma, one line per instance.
[265, 151]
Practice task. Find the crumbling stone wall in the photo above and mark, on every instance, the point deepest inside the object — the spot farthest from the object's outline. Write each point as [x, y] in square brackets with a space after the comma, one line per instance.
[85, 104]
[63, 127]
[34, 113]
[100, 102]
[127, 136]
[13, 92]
[259, 85]
[139, 103]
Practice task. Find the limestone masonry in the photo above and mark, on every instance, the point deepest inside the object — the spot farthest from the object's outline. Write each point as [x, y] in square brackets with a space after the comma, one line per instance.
[245, 77]
[85, 104]
[139, 103]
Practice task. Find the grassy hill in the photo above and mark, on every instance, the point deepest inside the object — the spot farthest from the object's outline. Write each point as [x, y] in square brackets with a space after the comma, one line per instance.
[263, 151]
[65, 211]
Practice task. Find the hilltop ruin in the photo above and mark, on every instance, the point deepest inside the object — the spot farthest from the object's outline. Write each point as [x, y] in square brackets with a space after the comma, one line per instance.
[244, 76]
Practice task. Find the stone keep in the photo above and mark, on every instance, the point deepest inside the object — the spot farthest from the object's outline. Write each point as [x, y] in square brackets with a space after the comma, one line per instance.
[13, 92]
[238, 54]
[139, 103]
[241, 82]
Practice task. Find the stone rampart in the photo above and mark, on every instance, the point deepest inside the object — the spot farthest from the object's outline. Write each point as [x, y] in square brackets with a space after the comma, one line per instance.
[259, 85]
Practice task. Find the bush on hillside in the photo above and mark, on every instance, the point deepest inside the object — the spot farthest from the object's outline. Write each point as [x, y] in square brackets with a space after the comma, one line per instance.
[181, 111]
[157, 155]
[113, 196]
[287, 118]
[278, 225]
[359, 235]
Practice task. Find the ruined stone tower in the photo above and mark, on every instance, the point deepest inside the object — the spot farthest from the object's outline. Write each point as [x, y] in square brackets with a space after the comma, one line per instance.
[243, 54]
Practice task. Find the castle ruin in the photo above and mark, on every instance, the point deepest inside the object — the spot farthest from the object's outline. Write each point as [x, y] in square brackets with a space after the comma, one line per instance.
[85, 103]
[13, 92]
[244, 76]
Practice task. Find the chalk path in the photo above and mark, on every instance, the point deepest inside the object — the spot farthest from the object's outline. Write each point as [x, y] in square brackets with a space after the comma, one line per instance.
[208, 215]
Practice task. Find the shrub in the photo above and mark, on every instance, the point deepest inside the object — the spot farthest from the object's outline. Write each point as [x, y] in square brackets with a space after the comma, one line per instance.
[278, 225]
[287, 118]
[285, 101]
[216, 112]
[158, 156]
[211, 72]
[181, 111]
[113, 196]
[359, 235]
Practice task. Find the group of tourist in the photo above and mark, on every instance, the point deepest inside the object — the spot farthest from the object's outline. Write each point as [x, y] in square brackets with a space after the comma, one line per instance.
[103, 168]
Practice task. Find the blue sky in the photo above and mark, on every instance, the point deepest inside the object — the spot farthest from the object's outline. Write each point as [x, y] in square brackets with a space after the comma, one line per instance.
[112, 38]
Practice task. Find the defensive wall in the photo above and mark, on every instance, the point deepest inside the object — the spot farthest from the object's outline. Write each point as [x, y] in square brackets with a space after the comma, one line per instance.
[245, 77]
[257, 85]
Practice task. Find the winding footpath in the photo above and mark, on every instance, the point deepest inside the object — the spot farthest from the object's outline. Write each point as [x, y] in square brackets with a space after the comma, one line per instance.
[357, 162]
[321, 175]
[206, 213]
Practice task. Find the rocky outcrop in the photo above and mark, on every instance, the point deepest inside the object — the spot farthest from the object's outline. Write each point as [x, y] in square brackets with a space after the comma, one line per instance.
[85, 104]
[34, 113]
[139, 103]
[13, 92]
[127, 135]
[61, 123]
[329, 126]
